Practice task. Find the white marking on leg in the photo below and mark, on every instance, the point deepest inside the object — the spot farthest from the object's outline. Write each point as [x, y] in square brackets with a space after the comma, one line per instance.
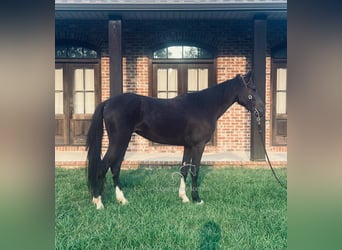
[182, 193]
[120, 196]
[97, 201]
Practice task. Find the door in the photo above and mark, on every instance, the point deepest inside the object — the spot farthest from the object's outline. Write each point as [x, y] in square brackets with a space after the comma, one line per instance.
[77, 93]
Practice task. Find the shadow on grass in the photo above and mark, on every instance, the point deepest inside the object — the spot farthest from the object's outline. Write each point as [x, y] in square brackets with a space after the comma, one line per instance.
[210, 235]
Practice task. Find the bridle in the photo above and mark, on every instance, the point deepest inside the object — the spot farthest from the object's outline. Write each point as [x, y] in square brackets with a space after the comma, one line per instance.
[258, 120]
[250, 98]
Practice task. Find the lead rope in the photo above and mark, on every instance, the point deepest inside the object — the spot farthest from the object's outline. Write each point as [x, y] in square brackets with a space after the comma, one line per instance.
[256, 112]
[257, 115]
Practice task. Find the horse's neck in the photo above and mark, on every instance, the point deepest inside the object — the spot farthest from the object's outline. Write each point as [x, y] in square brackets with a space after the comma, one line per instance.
[224, 95]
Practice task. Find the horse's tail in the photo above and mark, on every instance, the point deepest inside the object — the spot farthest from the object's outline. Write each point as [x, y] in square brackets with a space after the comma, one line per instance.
[94, 145]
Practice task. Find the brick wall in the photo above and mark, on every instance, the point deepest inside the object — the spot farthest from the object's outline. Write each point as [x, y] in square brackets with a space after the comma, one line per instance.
[233, 43]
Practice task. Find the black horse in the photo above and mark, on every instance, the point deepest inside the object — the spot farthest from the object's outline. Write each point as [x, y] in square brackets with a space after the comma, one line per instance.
[187, 120]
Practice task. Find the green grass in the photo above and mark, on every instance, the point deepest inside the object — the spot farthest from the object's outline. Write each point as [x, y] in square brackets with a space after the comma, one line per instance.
[243, 209]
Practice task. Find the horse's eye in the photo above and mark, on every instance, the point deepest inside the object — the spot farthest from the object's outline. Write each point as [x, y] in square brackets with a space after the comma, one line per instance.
[250, 97]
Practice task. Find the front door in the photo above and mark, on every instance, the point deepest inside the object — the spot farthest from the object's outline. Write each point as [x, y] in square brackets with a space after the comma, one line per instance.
[77, 92]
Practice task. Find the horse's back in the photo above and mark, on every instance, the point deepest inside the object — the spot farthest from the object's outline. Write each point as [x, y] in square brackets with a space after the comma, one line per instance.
[124, 107]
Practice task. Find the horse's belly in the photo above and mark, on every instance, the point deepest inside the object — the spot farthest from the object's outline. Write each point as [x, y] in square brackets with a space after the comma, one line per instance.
[161, 134]
[161, 139]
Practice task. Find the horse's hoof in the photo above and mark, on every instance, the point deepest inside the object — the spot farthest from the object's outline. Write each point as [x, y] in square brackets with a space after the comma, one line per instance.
[99, 207]
[201, 202]
[123, 202]
[97, 201]
[186, 200]
[120, 196]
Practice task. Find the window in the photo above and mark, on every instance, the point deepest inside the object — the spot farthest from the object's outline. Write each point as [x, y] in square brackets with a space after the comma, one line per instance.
[84, 91]
[167, 82]
[181, 69]
[182, 52]
[197, 79]
[170, 80]
[75, 52]
[279, 109]
[59, 100]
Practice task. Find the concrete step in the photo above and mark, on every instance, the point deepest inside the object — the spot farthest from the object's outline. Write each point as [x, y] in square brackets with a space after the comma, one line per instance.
[136, 159]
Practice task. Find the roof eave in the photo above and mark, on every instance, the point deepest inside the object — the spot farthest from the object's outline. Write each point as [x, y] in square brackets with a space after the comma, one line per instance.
[174, 7]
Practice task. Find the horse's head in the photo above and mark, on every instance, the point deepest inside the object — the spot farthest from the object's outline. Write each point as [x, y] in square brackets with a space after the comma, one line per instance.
[249, 97]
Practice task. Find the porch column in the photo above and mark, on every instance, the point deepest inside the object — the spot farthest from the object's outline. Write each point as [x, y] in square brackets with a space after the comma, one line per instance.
[115, 56]
[259, 70]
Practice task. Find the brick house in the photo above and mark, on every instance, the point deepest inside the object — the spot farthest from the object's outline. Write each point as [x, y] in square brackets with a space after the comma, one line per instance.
[166, 48]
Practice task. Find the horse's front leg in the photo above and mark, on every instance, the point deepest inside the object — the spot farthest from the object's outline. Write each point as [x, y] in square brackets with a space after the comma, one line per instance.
[186, 162]
[194, 171]
[194, 189]
[182, 186]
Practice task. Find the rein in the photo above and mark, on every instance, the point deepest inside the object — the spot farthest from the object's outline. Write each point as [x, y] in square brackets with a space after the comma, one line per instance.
[256, 112]
[258, 120]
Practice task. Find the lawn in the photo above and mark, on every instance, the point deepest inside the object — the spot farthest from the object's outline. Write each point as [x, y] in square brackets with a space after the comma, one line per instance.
[243, 209]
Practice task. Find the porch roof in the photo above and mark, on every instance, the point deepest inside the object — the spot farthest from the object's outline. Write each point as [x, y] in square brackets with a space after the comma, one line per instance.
[170, 9]
[172, 4]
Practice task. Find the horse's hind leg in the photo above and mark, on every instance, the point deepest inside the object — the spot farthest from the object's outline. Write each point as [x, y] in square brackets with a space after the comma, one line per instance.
[115, 168]
[114, 157]
[98, 189]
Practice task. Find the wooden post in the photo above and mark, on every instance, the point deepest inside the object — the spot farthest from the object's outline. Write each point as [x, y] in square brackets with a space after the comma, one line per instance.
[115, 57]
[259, 70]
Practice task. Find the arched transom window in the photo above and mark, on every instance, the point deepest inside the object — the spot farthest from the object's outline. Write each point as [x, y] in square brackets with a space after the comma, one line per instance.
[74, 52]
[182, 52]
